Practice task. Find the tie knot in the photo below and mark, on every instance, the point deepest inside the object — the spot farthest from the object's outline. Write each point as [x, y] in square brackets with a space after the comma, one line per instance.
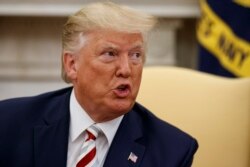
[93, 132]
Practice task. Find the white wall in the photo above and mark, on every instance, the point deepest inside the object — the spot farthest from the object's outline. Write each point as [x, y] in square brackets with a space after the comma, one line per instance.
[30, 46]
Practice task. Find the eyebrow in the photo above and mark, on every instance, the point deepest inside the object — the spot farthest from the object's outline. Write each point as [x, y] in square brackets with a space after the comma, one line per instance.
[141, 47]
[109, 46]
[137, 45]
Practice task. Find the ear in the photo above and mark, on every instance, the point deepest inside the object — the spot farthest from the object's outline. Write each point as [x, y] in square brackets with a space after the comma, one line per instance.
[69, 63]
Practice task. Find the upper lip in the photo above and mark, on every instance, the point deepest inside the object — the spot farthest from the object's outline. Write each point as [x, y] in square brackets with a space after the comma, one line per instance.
[125, 85]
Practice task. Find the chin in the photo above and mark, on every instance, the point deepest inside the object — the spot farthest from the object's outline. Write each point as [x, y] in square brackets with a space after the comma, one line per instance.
[122, 107]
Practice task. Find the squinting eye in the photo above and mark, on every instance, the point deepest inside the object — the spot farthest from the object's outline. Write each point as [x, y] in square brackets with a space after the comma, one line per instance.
[136, 55]
[110, 53]
[108, 56]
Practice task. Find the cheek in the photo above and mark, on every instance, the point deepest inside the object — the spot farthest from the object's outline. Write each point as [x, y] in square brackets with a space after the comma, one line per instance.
[95, 76]
[137, 77]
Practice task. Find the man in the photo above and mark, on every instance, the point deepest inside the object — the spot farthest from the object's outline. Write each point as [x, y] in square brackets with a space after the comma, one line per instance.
[96, 122]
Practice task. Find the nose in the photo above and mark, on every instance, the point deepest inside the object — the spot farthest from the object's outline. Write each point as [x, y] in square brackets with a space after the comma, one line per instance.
[123, 67]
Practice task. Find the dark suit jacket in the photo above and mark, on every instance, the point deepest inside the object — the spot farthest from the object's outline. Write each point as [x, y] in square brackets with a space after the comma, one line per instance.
[34, 133]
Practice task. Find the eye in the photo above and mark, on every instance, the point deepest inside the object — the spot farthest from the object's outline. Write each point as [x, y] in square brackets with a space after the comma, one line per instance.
[136, 57]
[109, 53]
[108, 56]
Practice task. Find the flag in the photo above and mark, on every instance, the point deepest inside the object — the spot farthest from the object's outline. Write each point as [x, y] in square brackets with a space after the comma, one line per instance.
[223, 33]
[132, 157]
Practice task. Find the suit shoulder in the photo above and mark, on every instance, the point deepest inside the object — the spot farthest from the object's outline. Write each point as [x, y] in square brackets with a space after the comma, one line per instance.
[162, 138]
[22, 105]
[28, 99]
[158, 127]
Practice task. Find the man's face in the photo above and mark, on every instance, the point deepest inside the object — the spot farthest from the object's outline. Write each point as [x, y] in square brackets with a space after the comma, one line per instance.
[108, 73]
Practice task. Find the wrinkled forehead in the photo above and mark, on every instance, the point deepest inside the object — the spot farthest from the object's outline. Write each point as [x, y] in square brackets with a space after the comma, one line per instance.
[115, 39]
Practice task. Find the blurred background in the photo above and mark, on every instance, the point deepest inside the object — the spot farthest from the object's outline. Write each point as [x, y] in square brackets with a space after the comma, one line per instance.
[30, 40]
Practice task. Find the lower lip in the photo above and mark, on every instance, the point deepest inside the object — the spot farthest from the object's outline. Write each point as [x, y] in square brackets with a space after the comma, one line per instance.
[121, 93]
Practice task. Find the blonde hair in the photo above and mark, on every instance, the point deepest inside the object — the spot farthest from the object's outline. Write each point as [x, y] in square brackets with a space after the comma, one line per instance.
[103, 15]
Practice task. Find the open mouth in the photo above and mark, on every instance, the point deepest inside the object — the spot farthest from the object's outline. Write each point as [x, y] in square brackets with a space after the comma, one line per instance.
[123, 87]
[122, 90]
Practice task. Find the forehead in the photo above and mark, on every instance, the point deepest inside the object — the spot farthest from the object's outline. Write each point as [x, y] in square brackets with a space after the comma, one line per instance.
[116, 39]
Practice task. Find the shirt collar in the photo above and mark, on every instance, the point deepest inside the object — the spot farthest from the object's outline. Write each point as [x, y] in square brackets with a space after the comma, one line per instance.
[80, 121]
[109, 128]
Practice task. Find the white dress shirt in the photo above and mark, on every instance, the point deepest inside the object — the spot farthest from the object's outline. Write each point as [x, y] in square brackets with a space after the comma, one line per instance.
[79, 122]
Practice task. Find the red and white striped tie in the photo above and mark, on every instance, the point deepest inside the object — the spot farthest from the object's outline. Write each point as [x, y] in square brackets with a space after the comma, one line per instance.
[88, 156]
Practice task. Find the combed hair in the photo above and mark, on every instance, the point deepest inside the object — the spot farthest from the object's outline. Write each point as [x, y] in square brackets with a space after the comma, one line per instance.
[102, 15]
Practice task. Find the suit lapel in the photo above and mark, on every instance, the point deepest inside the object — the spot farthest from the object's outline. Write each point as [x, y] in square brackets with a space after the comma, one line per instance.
[51, 138]
[128, 147]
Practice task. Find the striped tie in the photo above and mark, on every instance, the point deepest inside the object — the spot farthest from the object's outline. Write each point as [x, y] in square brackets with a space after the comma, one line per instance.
[88, 156]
